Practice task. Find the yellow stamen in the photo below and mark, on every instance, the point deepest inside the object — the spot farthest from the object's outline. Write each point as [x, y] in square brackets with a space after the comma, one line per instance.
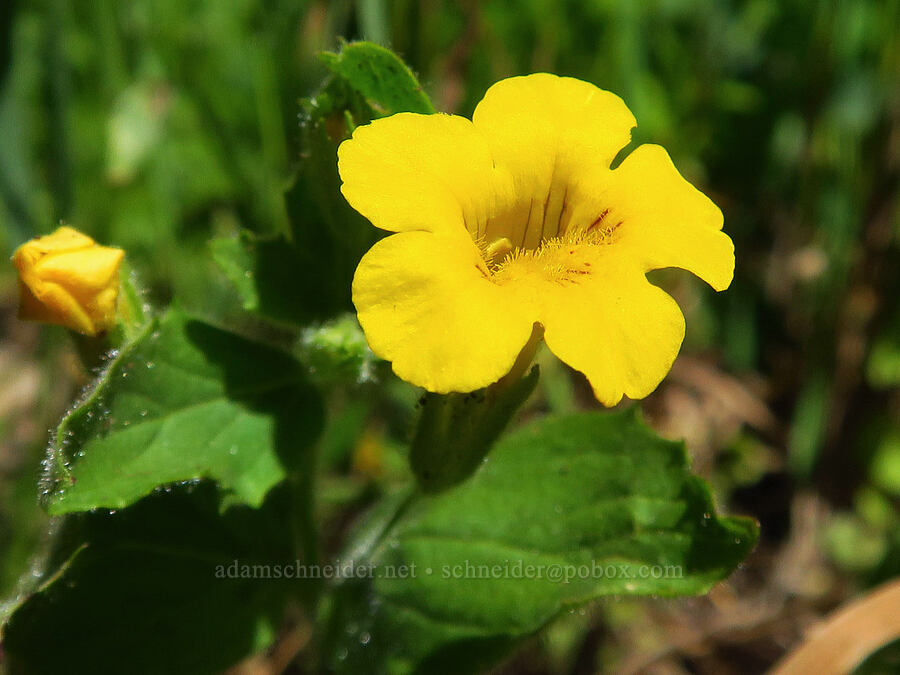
[497, 250]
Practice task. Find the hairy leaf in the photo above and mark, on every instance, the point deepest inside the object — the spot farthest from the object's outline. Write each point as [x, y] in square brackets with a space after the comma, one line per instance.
[184, 401]
[563, 511]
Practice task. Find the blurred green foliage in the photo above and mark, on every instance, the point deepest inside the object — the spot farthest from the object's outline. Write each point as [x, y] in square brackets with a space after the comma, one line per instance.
[159, 126]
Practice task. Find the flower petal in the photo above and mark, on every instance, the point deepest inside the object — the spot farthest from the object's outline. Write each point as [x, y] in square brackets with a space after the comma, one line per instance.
[84, 272]
[536, 122]
[68, 279]
[666, 221]
[547, 131]
[541, 118]
[421, 172]
[426, 304]
[614, 326]
[64, 238]
[51, 303]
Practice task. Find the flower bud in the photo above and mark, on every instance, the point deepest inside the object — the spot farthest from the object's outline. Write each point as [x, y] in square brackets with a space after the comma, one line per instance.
[66, 278]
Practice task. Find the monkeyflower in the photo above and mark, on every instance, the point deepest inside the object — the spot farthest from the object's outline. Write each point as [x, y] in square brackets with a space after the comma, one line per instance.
[66, 278]
[513, 225]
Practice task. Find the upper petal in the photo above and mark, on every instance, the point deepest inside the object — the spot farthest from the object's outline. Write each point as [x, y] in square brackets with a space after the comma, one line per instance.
[547, 131]
[421, 172]
[426, 304]
[64, 238]
[84, 272]
[666, 221]
[540, 123]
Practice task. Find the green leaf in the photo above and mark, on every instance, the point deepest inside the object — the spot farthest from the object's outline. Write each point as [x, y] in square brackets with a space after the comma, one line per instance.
[307, 275]
[380, 76]
[280, 280]
[597, 499]
[148, 590]
[234, 257]
[184, 401]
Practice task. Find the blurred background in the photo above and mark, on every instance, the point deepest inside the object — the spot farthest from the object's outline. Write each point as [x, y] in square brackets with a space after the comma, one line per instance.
[155, 125]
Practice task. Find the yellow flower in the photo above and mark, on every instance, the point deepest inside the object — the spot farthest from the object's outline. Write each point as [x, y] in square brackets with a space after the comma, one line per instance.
[68, 279]
[514, 222]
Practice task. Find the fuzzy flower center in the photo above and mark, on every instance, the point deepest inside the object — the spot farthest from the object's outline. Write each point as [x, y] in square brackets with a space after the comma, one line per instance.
[545, 238]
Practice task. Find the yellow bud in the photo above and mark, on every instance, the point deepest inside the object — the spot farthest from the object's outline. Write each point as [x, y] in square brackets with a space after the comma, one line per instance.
[66, 278]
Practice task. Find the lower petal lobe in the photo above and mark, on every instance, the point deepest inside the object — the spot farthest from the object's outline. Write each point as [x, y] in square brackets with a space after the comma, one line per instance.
[614, 326]
[427, 304]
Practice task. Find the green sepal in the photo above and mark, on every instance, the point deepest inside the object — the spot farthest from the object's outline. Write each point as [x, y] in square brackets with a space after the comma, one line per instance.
[456, 431]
